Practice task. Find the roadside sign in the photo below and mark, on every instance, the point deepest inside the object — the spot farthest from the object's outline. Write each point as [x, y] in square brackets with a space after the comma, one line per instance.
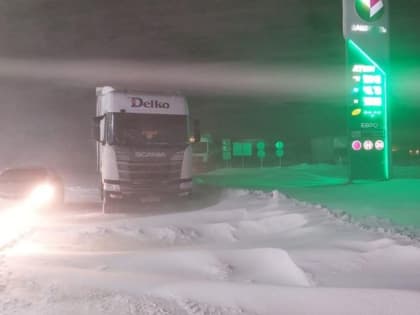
[261, 149]
[279, 146]
[242, 149]
[226, 149]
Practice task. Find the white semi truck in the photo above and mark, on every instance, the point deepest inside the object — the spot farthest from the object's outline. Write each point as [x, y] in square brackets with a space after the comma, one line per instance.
[143, 148]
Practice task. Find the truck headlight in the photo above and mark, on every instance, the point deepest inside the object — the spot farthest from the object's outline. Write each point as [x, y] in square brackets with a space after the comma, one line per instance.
[111, 187]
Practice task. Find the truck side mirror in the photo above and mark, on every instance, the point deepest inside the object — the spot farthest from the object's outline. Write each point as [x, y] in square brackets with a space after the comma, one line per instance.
[96, 128]
[197, 132]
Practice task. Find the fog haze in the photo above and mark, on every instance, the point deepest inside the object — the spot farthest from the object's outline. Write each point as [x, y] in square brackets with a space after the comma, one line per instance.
[48, 120]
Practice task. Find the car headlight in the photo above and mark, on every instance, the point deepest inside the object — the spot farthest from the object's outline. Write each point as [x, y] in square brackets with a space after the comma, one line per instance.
[42, 194]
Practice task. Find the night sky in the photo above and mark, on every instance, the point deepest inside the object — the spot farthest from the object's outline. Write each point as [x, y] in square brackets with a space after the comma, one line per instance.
[48, 121]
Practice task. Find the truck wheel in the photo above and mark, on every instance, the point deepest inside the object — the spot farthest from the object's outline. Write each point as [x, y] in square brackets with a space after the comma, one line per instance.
[108, 204]
[189, 195]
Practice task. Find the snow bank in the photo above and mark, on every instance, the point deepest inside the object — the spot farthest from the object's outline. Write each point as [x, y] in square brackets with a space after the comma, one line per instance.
[246, 253]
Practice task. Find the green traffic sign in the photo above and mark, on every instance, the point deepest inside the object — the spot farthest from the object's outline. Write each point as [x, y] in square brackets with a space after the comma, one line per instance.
[260, 145]
[261, 154]
[242, 149]
[279, 145]
[226, 145]
[279, 153]
[261, 149]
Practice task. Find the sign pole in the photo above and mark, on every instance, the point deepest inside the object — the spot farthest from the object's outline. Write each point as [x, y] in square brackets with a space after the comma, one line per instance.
[366, 33]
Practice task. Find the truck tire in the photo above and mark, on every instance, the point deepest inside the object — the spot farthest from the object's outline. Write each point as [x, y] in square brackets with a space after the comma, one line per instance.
[189, 195]
[108, 204]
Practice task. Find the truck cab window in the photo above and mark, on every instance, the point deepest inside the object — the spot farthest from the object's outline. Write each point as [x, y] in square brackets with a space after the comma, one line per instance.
[152, 129]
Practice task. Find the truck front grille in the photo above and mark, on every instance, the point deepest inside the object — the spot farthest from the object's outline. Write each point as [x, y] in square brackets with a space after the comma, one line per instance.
[144, 175]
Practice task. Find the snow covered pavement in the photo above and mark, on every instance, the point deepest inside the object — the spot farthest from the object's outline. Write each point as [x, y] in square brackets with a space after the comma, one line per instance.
[233, 252]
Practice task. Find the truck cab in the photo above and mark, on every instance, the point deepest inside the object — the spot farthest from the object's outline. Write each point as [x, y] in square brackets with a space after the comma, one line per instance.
[143, 152]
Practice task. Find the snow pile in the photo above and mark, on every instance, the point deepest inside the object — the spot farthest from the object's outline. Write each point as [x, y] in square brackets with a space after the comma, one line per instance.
[246, 252]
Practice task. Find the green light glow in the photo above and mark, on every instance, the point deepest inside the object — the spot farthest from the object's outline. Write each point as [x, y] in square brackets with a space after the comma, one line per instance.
[365, 56]
[370, 90]
[260, 145]
[242, 149]
[386, 142]
[279, 145]
[279, 153]
[261, 149]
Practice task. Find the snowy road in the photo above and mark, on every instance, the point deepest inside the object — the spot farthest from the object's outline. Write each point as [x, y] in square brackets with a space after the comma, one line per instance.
[230, 252]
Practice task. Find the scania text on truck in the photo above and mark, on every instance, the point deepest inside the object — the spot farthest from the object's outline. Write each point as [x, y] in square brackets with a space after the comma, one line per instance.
[143, 152]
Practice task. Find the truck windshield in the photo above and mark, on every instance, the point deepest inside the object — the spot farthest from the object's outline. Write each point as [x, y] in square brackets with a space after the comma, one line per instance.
[140, 129]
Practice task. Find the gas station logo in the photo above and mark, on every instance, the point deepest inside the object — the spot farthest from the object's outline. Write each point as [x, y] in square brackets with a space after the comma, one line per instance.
[356, 112]
[370, 10]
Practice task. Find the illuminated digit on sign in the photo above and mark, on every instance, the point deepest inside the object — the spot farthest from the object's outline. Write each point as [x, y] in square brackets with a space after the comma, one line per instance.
[372, 101]
[372, 79]
[372, 90]
[377, 90]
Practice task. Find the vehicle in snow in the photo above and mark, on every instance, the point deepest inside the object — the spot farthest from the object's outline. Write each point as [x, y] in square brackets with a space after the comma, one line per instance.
[143, 148]
[202, 153]
[38, 186]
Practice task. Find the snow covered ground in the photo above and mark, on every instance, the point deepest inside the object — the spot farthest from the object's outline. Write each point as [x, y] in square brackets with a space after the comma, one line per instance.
[393, 205]
[227, 251]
